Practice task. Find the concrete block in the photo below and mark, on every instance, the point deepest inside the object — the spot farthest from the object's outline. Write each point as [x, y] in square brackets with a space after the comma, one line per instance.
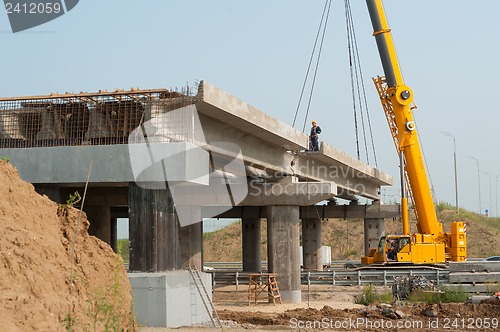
[476, 266]
[479, 277]
[169, 299]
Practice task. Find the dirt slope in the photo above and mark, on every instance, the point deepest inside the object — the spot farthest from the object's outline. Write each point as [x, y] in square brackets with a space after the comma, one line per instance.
[346, 237]
[36, 264]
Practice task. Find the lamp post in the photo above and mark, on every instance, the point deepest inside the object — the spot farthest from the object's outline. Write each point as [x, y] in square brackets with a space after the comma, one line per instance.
[478, 182]
[486, 173]
[454, 164]
[496, 194]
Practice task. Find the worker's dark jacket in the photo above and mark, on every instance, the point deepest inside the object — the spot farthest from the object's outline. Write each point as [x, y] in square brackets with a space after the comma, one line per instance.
[315, 132]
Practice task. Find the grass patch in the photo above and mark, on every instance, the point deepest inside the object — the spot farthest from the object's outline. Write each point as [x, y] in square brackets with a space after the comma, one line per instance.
[209, 235]
[123, 249]
[444, 295]
[351, 252]
[107, 309]
[493, 288]
[370, 295]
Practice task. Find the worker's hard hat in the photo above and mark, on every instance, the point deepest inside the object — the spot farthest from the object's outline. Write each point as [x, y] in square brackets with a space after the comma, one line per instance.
[313, 122]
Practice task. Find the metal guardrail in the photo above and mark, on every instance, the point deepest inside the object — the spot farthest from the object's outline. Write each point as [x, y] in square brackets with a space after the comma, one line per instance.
[239, 265]
[337, 278]
[229, 265]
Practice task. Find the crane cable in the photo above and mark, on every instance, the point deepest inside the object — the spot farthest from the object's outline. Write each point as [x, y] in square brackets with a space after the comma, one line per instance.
[321, 31]
[357, 84]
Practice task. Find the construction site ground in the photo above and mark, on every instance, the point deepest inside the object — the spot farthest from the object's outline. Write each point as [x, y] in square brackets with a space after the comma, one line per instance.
[328, 308]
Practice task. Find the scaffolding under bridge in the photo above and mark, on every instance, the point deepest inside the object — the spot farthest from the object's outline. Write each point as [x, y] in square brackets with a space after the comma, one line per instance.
[100, 118]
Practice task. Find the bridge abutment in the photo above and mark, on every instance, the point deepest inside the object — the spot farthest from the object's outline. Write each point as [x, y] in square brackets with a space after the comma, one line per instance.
[311, 244]
[251, 244]
[283, 250]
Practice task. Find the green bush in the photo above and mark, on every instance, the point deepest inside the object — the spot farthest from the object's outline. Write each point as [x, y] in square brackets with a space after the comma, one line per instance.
[370, 295]
[444, 295]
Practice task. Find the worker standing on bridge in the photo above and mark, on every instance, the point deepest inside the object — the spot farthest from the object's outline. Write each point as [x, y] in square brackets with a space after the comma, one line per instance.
[314, 137]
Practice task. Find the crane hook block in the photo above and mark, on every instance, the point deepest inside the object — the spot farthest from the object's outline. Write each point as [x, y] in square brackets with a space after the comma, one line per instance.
[404, 95]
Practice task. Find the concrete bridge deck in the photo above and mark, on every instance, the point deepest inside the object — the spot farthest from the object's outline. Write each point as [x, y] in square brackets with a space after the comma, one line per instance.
[267, 144]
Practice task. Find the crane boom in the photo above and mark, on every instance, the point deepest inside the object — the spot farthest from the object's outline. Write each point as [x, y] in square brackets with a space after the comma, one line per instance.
[401, 97]
[430, 244]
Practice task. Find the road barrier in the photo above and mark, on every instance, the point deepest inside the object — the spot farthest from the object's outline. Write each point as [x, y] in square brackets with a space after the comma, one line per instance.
[337, 278]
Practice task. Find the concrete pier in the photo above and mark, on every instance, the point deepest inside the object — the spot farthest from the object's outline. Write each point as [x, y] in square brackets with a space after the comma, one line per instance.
[100, 222]
[52, 192]
[374, 230]
[191, 238]
[251, 244]
[311, 244]
[153, 230]
[283, 250]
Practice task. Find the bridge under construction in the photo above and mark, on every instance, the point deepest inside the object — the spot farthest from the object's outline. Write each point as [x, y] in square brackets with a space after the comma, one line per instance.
[54, 139]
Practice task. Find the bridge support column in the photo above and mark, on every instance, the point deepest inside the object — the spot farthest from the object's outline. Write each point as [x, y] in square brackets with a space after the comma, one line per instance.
[251, 244]
[283, 250]
[374, 229]
[51, 192]
[100, 222]
[114, 233]
[311, 244]
[153, 230]
[191, 237]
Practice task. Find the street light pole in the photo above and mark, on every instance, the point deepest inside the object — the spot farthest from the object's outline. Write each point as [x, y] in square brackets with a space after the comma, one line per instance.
[496, 195]
[478, 182]
[490, 191]
[454, 165]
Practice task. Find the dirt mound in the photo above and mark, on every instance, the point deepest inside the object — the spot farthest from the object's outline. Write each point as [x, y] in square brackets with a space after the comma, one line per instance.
[37, 266]
[446, 313]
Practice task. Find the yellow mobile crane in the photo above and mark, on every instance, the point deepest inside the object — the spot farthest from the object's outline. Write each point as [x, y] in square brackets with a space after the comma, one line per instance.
[430, 244]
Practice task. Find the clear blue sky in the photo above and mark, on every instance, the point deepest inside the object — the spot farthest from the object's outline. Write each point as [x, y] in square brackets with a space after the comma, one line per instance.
[258, 51]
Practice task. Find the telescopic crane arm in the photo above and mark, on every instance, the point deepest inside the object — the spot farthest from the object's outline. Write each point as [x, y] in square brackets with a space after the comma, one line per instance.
[400, 97]
[430, 244]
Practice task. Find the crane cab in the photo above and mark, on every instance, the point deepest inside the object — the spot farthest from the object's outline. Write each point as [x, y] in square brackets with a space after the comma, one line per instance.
[391, 249]
[412, 249]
